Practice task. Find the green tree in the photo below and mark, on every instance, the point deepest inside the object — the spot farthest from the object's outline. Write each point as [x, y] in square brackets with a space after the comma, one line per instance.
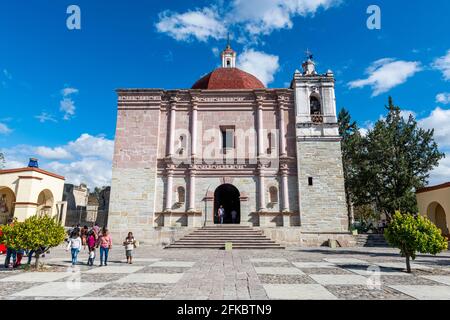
[35, 233]
[414, 234]
[351, 151]
[396, 159]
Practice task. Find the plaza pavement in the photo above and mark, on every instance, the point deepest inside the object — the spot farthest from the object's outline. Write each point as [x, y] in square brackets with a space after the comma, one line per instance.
[306, 274]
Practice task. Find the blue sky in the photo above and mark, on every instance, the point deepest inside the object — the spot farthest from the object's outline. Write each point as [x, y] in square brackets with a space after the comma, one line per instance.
[57, 86]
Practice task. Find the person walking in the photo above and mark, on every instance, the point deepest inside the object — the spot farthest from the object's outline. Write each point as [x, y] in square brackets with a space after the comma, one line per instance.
[130, 244]
[74, 247]
[10, 251]
[221, 214]
[234, 216]
[91, 240]
[84, 233]
[105, 244]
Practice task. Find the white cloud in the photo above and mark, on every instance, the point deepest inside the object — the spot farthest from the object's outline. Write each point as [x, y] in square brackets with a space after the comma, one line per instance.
[443, 64]
[90, 146]
[441, 174]
[260, 64]
[57, 153]
[252, 17]
[91, 171]
[4, 129]
[44, 117]
[200, 24]
[385, 74]
[87, 159]
[265, 16]
[443, 98]
[405, 114]
[439, 120]
[67, 105]
[7, 74]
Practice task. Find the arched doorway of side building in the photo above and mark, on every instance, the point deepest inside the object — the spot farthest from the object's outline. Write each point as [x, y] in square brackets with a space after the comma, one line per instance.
[437, 215]
[7, 201]
[228, 196]
[45, 203]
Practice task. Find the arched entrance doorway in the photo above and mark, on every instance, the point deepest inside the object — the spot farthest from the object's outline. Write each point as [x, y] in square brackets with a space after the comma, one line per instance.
[437, 215]
[45, 203]
[7, 200]
[227, 196]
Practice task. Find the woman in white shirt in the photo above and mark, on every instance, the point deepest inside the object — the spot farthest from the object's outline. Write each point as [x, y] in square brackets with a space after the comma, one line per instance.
[74, 246]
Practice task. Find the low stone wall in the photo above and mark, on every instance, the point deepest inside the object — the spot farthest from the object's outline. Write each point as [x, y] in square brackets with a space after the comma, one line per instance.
[310, 239]
[295, 237]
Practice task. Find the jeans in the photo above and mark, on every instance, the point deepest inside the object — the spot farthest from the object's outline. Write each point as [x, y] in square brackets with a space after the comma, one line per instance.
[10, 253]
[30, 256]
[221, 219]
[74, 255]
[104, 251]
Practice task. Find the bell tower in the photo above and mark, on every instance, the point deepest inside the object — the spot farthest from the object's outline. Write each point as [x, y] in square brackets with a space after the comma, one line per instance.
[228, 56]
[323, 207]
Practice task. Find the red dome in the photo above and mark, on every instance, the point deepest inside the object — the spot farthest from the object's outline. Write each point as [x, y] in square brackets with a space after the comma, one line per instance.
[228, 78]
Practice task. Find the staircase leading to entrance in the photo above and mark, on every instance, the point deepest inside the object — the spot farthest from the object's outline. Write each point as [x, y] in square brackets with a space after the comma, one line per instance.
[371, 240]
[215, 237]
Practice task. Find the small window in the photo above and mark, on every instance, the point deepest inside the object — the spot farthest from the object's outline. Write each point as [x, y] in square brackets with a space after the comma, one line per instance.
[228, 63]
[227, 138]
[272, 142]
[181, 195]
[273, 194]
[310, 181]
[316, 108]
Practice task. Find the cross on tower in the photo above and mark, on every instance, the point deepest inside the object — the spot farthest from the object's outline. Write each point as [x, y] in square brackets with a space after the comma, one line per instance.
[309, 54]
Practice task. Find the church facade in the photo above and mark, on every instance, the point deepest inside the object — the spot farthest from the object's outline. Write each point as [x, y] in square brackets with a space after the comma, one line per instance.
[271, 155]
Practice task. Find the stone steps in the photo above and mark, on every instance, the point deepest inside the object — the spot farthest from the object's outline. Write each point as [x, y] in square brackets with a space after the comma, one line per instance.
[371, 240]
[215, 237]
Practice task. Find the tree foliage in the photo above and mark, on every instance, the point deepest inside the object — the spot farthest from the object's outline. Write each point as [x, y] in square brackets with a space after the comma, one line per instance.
[386, 166]
[37, 233]
[414, 234]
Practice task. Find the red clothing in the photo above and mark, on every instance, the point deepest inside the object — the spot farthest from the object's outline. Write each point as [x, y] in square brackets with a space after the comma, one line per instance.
[91, 241]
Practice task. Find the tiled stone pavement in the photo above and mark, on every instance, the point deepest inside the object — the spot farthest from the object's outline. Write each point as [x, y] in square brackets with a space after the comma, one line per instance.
[320, 273]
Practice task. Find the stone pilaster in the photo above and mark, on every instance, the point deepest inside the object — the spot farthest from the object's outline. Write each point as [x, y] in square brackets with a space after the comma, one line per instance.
[169, 188]
[284, 188]
[259, 126]
[193, 128]
[171, 133]
[281, 124]
[191, 205]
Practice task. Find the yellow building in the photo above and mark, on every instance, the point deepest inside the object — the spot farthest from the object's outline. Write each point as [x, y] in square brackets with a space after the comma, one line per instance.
[434, 202]
[25, 192]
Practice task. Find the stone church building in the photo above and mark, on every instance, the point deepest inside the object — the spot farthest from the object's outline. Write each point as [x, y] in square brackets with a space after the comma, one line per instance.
[271, 155]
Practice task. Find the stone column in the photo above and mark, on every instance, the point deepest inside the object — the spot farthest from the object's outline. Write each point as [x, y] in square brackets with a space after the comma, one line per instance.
[259, 127]
[282, 132]
[191, 206]
[173, 108]
[284, 189]
[169, 189]
[194, 129]
[262, 189]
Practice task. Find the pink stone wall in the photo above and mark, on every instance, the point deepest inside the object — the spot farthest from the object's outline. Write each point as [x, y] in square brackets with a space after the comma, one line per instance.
[136, 138]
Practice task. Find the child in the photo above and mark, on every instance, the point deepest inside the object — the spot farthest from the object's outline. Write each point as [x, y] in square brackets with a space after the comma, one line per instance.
[20, 254]
[91, 241]
[91, 257]
[74, 246]
[129, 244]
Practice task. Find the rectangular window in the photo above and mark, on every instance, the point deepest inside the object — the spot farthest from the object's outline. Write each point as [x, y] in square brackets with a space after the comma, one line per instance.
[310, 181]
[227, 137]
